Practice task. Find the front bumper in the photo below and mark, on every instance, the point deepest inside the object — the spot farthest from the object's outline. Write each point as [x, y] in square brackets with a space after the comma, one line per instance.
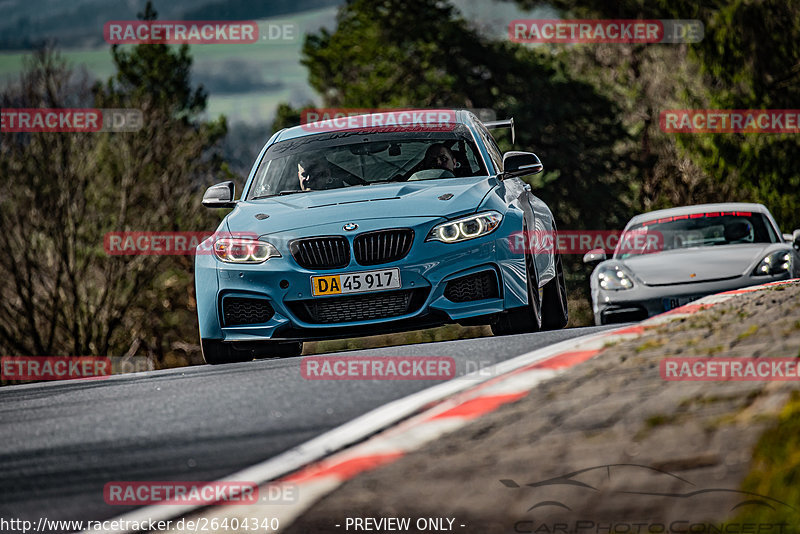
[644, 301]
[425, 271]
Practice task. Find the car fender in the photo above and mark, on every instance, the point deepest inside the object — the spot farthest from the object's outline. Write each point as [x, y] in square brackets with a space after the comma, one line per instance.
[206, 286]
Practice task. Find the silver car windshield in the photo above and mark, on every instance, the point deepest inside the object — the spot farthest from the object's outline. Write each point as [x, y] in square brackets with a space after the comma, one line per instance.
[695, 230]
[344, 159]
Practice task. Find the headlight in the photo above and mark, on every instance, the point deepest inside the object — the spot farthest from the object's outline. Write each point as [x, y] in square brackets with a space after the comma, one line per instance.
[776, 263]
[465, 228]
[613, 278]
[240, 250]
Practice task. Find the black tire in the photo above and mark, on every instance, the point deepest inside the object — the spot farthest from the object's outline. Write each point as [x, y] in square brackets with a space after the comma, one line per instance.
[525, 319]
[555, 313]
[217, 352]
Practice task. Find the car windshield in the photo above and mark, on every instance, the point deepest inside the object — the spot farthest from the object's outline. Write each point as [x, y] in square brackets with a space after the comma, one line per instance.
[357, 158]
[695, 230]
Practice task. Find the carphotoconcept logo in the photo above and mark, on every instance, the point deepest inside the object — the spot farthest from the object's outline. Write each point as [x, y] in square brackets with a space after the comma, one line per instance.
[377, 368]
[199, 32]
[569, 502]
[730, 121]
[34, 120]
[628, 31]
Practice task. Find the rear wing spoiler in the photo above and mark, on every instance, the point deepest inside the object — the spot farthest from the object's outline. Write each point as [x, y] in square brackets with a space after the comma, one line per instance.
[507, 123]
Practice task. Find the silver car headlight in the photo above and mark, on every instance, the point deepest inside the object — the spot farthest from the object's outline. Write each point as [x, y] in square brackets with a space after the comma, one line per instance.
[613, 278]
[243, 250]
[776, 263]
[465, 228]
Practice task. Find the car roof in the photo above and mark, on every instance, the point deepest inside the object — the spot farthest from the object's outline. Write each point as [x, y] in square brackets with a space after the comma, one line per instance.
[400, 116]
[699, 208]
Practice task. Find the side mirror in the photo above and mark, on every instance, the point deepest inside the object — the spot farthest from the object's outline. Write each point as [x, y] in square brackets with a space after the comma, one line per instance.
[220, 196]
[796, 239]
[594, 256]
[516, 164]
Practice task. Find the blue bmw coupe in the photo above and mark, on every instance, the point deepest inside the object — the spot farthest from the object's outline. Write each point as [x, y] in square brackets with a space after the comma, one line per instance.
[373, 224]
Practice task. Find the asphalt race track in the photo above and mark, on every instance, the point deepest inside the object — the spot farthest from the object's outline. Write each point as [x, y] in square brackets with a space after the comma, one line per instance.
[62, 442]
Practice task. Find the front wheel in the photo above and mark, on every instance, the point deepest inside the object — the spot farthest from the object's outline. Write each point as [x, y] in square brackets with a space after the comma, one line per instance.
[217, 352]
[526, 318]
[555, 314]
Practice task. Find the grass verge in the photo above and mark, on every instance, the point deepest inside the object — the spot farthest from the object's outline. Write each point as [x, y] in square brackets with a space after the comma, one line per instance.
[775, 471]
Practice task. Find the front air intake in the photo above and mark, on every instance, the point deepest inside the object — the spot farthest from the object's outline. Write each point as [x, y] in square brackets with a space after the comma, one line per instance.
[240, 311]
[328, 252]
[478, 286]
[383, 246]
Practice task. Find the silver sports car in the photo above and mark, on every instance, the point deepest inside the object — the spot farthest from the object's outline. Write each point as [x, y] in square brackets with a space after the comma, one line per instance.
[670, 257]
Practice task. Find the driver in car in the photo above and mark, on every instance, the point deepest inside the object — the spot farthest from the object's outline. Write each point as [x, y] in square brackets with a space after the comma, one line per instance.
[314, 173]
[739, 232]
[438, 156]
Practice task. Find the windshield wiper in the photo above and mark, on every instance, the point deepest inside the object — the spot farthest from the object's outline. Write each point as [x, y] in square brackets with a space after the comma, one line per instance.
[389, 181]
[287, 192]
[293, 191]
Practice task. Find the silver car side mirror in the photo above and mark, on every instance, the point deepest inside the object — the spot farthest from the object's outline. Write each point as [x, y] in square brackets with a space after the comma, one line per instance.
[594, 256]
[220, 196]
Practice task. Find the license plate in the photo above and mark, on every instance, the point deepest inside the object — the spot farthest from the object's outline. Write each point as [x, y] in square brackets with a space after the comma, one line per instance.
[677, 302]
[342, 284]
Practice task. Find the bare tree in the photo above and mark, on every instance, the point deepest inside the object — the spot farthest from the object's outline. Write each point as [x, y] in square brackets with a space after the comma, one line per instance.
[60, 292]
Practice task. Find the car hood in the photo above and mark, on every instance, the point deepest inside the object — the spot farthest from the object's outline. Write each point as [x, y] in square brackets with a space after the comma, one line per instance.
[431, 198]
[700, 264]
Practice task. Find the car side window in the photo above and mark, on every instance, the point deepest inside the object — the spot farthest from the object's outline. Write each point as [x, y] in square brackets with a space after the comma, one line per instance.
[491, 146]
[274, 175]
